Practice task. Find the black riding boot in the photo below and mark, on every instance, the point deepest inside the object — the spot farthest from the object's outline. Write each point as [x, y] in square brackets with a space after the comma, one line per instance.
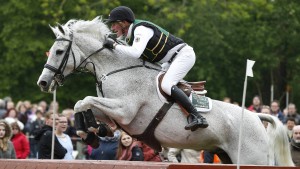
[195, 119]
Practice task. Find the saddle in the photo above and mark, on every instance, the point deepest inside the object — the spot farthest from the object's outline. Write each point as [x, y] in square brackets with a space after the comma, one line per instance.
[186, 87]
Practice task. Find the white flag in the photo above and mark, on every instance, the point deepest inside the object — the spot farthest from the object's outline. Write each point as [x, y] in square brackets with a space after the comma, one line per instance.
[249, 71]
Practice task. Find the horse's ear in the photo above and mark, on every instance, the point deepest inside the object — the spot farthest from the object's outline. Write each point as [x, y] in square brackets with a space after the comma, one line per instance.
[97, 19]
[61, 29]
[54, 30]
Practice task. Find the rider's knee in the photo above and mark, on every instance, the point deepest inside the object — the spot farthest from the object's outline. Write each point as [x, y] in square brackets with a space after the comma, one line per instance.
[166, 87]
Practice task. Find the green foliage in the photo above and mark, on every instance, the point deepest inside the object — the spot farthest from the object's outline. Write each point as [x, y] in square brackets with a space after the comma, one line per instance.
[223, 34]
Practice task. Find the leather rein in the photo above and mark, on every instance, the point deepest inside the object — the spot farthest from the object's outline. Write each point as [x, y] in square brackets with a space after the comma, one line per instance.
[58, 72]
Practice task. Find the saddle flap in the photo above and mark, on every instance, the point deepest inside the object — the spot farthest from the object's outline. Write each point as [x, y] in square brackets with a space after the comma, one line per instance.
[200, 102]
[160, 78]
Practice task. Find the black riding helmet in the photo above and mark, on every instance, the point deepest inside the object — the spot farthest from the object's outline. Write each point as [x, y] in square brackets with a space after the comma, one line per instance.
[121, 13]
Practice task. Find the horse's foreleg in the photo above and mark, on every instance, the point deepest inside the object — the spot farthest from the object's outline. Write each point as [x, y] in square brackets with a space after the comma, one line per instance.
[106, 109]
[87, 114]
[104, 118]
[79, 125]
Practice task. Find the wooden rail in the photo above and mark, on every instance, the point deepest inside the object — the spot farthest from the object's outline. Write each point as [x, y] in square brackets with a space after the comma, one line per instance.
[94, 164]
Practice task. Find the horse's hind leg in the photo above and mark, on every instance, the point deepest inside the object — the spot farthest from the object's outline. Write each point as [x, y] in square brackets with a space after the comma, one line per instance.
[224, 157]
[253, 152]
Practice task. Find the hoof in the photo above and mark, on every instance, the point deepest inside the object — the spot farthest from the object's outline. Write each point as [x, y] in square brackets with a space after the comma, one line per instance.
[92, 139]
[81, 134]
[105, 130]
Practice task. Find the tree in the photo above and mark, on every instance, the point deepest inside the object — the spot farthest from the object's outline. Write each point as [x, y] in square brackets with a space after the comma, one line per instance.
[223, 34]
[25, 37]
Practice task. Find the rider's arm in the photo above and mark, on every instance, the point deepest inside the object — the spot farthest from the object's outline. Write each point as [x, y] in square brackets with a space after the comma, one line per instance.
[142, 35]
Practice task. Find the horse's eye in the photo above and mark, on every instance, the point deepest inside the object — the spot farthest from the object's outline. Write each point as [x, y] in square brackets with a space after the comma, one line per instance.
[59, 52]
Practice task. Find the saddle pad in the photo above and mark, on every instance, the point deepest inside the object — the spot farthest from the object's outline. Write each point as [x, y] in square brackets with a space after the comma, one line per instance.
[200, 102]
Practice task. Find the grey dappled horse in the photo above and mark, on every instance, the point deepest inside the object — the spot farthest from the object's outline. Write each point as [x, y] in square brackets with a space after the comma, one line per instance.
[128, 97]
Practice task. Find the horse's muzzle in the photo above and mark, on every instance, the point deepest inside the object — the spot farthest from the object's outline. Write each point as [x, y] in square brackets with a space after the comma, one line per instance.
[46, 86]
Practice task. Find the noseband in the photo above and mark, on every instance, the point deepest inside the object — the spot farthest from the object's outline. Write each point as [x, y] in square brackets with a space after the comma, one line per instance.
[58, 73]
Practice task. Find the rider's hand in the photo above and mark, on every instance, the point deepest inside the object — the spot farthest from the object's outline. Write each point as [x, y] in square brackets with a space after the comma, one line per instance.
[109, 43]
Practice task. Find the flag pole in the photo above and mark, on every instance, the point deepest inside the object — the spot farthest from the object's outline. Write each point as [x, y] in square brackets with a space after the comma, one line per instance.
[241, 124]
[249, 72]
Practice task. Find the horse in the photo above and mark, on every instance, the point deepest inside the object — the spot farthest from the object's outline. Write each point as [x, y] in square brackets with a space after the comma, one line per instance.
[127, 97]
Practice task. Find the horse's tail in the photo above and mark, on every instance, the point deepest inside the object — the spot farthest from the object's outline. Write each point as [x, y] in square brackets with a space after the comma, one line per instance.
[279, 146]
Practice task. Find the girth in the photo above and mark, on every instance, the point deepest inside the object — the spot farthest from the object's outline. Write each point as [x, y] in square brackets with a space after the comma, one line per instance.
[148, 135]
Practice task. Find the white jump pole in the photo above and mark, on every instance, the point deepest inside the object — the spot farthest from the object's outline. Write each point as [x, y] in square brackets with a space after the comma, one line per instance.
[53, 124]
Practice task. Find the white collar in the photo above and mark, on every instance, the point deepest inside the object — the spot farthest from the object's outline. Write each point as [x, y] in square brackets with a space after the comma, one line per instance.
[129, 31]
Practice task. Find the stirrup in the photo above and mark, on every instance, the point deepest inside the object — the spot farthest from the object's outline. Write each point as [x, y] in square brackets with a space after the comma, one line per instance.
[195, 122]
[190, 118]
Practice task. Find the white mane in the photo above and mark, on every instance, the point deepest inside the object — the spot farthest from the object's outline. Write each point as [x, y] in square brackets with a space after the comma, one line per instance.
[96, 28]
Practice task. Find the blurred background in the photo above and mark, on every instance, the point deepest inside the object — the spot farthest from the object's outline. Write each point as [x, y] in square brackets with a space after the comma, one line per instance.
[223, 33]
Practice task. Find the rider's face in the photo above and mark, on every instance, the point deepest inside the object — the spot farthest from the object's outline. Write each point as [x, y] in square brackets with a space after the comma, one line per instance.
[119, 28]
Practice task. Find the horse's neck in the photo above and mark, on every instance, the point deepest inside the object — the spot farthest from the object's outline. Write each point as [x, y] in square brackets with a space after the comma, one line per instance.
[107, 61]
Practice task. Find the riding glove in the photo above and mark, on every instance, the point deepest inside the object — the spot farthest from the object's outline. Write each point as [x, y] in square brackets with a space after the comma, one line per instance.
[109, 43]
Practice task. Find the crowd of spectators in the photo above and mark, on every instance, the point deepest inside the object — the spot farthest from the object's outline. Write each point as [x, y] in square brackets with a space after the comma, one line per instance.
[289, 118]
[25, 120]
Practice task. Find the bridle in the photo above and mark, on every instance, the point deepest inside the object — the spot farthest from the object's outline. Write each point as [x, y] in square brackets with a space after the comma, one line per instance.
[58, 72]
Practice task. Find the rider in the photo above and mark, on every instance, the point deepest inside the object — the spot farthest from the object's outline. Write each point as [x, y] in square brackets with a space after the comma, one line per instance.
[154, 44]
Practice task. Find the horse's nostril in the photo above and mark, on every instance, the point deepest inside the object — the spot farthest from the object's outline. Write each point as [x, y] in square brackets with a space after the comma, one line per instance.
[43, 83]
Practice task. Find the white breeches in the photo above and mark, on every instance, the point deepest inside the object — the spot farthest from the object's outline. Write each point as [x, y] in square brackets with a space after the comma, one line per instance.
[178, 69]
